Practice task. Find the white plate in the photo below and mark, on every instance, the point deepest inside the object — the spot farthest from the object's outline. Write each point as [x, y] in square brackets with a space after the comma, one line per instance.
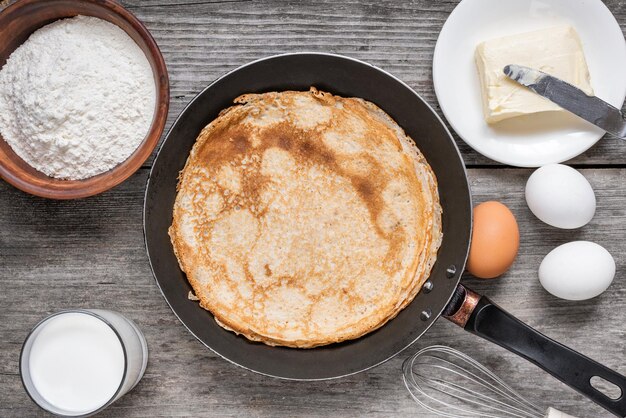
[533, 140]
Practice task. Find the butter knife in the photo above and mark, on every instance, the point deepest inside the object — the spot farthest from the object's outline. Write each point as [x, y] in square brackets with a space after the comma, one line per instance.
[571, 98]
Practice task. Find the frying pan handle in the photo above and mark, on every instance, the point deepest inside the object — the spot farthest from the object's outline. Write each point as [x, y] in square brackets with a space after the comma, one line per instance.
[478, 315]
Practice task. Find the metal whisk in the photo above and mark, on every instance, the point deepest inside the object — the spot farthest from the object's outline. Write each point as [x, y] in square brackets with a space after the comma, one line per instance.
[449, 383]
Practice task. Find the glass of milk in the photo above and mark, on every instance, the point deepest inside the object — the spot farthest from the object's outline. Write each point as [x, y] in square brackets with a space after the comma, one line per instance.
[77, 362]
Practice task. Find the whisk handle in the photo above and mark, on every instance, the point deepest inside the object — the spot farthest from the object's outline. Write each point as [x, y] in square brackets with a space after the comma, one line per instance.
[491, 322]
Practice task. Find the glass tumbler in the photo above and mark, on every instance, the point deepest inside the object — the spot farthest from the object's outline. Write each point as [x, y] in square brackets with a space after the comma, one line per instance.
[77, 362]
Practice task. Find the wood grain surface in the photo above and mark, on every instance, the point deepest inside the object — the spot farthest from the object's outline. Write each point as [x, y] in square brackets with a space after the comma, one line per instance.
[90, 253]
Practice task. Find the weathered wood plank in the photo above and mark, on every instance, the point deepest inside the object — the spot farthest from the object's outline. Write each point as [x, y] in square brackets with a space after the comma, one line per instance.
[89, 253]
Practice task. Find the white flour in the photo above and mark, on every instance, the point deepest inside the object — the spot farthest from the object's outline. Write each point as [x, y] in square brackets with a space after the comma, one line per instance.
[77, 98]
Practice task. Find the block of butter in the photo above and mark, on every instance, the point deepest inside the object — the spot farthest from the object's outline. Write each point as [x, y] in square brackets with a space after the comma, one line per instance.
[556, 51]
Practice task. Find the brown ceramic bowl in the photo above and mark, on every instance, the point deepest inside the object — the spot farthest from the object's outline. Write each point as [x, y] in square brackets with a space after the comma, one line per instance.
[17, 23]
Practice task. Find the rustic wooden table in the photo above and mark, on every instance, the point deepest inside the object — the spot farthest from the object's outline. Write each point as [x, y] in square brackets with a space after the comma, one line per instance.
[90, 252]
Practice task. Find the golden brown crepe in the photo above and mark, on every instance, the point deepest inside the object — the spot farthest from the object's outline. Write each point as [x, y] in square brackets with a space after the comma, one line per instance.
[304, 219]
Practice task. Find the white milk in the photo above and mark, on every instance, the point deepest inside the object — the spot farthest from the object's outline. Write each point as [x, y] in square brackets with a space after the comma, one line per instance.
[76, 362]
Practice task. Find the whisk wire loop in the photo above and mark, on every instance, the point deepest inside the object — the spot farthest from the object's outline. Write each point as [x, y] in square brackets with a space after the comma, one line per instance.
[449, 383]
[466, 374]
[458, 392]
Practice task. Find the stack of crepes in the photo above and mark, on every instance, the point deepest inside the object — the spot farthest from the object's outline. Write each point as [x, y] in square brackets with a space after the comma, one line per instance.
[305, 219]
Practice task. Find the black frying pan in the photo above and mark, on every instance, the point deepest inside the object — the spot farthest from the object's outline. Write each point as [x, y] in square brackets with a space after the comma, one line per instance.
[441, 295]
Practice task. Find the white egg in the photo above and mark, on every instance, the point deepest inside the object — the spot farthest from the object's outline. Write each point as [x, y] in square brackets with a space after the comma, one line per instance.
[577, 270]
[560, 196]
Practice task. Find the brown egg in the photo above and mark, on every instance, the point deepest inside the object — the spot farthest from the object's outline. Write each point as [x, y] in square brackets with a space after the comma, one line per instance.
[495, 240]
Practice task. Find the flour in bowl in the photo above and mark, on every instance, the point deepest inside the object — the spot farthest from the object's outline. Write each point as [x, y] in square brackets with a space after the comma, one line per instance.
[77, 98]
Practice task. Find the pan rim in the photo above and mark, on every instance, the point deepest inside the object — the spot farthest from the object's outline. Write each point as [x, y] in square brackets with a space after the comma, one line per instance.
[460, 266]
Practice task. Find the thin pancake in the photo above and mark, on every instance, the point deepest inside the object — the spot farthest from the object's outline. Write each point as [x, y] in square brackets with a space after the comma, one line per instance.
[304, 219]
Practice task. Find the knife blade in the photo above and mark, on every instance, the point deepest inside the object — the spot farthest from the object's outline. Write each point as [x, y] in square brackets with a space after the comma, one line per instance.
[571, 98]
